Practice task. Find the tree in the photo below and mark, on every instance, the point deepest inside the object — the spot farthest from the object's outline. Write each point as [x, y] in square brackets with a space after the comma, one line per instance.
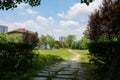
[69, 40]
[105, 23]
[47, 40]
[83, 43]
[50, 41]
[30, 38]
[86, 1]
[43, 41]
[3, 38]
[94, 26]
[11, 4]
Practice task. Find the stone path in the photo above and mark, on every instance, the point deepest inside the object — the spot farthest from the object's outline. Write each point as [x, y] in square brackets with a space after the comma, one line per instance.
[66, 70]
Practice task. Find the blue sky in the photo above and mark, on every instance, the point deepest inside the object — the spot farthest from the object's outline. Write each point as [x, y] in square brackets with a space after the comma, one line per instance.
[54, 17]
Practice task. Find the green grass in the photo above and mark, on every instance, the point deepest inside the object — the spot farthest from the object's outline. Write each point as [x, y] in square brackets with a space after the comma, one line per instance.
[63, 53]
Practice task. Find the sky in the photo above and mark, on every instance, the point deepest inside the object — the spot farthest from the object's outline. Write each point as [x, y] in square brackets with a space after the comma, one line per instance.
[54, 17]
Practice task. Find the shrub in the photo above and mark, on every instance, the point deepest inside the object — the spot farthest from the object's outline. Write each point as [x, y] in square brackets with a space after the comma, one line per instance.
[103, 52]
[15, 58]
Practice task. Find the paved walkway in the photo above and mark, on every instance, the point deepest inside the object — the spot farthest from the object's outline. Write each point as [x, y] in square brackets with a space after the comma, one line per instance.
[66, 70]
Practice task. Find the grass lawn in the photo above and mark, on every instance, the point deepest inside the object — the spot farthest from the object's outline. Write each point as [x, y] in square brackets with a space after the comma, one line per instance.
[63, 53]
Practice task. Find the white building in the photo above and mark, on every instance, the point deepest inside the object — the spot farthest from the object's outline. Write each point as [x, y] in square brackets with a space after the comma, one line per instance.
[62, 38]
[3, 29]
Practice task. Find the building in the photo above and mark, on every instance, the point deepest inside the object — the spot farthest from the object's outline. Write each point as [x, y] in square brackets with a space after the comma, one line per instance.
[24, 35]
[62, 38]
[3, 29]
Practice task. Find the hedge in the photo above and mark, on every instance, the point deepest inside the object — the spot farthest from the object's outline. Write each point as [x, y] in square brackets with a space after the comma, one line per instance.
[15, 58]
[106, 55]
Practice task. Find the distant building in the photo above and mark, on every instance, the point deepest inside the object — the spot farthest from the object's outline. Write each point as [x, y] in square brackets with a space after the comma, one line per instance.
[25, 35]
[3, 29]
[62, 38]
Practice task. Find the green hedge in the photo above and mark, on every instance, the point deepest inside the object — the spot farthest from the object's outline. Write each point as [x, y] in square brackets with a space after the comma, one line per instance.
[15, 58]
[103, 52]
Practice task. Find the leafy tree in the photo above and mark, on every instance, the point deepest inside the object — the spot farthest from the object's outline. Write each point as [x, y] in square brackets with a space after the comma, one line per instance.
[30, 38]
[43, 41]
[75, 45]
[50, 41]
[10, 4]
[105, 23]
[86, 1]
[69, 40]
[3, 38]
[83, 43]
[47, 40]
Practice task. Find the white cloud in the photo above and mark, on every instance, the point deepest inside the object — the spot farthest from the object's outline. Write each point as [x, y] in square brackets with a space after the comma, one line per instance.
[80, 10]
[40, 24]
[45, 21]
[31, 11]
[60, 14]
[58, 30]
[69, 23]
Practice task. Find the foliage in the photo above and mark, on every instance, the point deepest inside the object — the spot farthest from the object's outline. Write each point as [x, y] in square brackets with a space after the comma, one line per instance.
[15, 59]
[84, 43]
[103, 52]
[30, 38]
[47, 40]
[69, 40]
[86, 1]
[3, 37]
[75, 45]
[51, 41]
[104, 30]
[11, 4]
[105, 23]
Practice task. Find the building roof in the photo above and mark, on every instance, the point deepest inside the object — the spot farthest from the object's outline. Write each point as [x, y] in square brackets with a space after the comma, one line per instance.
[21, 30]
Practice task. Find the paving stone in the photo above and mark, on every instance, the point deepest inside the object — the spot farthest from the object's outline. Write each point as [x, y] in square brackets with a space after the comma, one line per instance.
[39, 78]
[70, 69]
[66, 72]
[64, 76]
[60, 79]
[55, 68]
[51, 70]
[45, 74]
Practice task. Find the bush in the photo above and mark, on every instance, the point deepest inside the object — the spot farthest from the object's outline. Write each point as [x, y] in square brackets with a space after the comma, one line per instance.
[15, 58]
[105, 55]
